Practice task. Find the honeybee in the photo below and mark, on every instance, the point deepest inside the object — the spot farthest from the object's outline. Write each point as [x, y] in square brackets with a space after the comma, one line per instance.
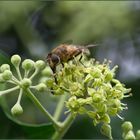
[63, 53]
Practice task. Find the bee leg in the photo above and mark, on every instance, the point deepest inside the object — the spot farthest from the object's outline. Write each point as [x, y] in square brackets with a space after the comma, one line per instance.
[54, 74]
[75, 61]
[62, 65]
[80, 60]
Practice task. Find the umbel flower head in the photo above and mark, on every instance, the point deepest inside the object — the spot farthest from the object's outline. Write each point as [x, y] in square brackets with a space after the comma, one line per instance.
[92, 90]
[21, 81]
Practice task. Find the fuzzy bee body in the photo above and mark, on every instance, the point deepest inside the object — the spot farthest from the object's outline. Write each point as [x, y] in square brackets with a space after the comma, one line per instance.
[64, 53]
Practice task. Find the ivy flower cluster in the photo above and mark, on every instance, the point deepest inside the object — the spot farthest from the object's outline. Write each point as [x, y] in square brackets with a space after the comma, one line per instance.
[21, 81]
[92, 90]
[90, 86]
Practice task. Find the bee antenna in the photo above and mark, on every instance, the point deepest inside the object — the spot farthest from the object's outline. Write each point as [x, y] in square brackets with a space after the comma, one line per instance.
[91, 45]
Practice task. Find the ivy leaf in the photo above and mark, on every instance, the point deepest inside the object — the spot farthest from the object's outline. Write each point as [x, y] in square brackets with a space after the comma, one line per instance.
[38, 131]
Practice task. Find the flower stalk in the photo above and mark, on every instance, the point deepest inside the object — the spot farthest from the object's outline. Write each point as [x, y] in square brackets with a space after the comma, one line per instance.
[64, 128]
[41, 108]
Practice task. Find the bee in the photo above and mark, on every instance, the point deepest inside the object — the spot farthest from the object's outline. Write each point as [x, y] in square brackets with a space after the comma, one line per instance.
[64, 53]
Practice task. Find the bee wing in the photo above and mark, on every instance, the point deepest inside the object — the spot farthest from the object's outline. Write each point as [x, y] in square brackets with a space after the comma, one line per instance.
[91, 45]
[68, 42]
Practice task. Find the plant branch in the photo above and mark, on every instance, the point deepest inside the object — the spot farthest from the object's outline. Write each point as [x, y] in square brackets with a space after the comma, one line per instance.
[60, 107]
[34, 74]
[39, 105]
[18, 72]
[20, 95]
[8, 90]
[64, 128]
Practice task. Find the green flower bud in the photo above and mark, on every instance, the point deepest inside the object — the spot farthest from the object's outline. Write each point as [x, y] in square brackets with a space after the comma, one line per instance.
[91, 91]
[112, 111]
[81, 101]
[28, 64]
[129, 136]
[96, 98]
[4, 67]
[106, 130]
[73, 104]
[108, 76]
[7, 75]
[97, 82]
[127, 126]
[47, 72]
[116, 103]
[82, 110]
[88, 78]
[59, 91]
[17, 109]
[75, 86]
[138, 135]
[91, 114]
[25, 83]
[96, 73]
[102, 107]
[49, 82]
[15, 60]
[39, 64]
[106, 118]
[41, 87]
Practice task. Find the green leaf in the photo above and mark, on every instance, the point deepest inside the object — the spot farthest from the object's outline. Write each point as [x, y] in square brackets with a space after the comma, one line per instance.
[41, 132]
[3, 58]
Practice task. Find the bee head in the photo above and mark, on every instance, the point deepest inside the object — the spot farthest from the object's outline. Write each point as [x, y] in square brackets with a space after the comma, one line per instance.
[53, 60]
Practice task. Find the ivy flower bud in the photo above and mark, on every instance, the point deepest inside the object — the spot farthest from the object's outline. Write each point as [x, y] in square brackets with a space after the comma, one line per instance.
[15, 60]
[25, 83]
[4, 67]
[7, 75]
[106, 118]
[39, 64]
[112, 111]
[96, 73]
[73, 104]
[47, 72]
[96, 98]
[108, 76]
[49, 82]
[127, 126]
[17, 109]
[28, 64]
[129, 136]
[97, 82]
[106, 130]
[41, 87]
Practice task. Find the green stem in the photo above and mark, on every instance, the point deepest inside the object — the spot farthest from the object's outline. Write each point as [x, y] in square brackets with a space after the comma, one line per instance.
[8, 90]
[18, 72]
[34, 74]
[26, 74]
[60, 107]
[64, 128]
[20, 95]
[39, 105]
[15, 80]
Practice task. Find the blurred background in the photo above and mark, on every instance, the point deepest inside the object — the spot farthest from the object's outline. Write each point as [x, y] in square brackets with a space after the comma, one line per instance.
[32, 28]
